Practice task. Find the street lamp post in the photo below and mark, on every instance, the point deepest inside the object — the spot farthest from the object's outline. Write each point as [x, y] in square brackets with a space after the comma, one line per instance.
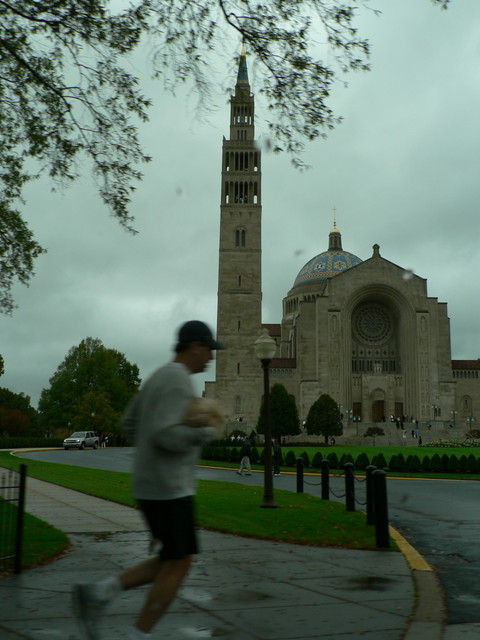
[356, 420]
[435, 409]
[470, 420]
[265, 348]
[454, 416]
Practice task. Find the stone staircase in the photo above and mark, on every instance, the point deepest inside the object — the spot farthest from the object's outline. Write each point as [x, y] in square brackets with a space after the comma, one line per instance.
[353, 434]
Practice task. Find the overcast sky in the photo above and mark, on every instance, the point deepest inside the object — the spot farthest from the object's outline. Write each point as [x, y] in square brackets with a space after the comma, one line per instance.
[402, 171]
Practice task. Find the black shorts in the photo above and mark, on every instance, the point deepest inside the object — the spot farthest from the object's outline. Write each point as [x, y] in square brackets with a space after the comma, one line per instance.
[172, 522]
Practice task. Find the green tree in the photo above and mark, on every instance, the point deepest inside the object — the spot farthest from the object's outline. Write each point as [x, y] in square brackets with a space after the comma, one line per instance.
[17, 416]
[324, 418]
[2, 364]
[283, 413]
[95, 412]
[90, 373]
[66, 95]
[373, 432]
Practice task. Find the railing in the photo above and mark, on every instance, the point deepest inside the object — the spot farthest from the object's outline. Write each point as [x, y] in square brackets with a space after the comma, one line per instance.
[375, 503]
[12, 509]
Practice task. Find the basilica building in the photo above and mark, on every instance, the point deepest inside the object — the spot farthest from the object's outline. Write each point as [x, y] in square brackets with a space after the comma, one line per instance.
[364, 331]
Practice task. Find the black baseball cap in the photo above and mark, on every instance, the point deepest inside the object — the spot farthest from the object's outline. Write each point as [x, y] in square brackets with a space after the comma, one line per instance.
[197, 331]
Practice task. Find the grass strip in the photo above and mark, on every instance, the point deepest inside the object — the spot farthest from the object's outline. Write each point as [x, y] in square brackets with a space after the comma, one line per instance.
[228, 507]
[41, 541]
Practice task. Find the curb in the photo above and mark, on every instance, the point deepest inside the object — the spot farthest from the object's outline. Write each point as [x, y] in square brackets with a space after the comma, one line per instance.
[428, 617]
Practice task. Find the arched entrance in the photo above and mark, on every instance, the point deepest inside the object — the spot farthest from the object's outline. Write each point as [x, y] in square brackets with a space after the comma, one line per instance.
[378, 411]
[378, 405]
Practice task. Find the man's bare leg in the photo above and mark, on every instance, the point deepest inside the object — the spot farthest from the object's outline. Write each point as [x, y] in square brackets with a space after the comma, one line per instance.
[143, 573]
[166, 577]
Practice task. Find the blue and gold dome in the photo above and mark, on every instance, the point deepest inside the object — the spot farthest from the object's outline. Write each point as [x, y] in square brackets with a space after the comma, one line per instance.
[329, 263]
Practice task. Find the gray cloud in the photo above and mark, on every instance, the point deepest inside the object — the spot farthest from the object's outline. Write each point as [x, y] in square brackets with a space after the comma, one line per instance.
[402, 171]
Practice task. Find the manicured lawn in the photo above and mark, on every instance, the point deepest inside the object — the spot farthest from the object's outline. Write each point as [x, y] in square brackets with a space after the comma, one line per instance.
[370, 451]
[229, 507]
[41, 541]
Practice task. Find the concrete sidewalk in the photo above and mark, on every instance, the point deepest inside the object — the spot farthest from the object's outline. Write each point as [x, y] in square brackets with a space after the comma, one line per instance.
[239, 588]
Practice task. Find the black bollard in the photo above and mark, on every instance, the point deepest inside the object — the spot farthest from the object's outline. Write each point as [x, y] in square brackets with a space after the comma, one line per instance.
[300, 466]
[369, 482]
[349, 487]
[325, 466]
[382, 535]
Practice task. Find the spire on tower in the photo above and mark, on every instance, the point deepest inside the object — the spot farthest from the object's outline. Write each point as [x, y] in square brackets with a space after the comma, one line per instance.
[335, 237]
[242, 76]
[334, 217]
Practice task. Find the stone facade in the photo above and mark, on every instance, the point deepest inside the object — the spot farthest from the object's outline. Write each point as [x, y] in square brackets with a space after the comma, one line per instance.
[365, 332]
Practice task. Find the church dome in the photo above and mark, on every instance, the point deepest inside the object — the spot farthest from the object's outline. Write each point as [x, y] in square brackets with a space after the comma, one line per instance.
[329, 263]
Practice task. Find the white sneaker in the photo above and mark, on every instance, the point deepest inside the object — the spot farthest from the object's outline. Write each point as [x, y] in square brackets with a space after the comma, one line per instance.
[88, 607]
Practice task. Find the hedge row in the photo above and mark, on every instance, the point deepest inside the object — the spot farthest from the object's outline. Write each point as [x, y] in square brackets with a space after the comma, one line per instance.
[26, 443]
[398, 462]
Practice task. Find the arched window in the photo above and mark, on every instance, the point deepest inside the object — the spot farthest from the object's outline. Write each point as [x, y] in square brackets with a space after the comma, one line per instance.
[240, 237]
[238, 404]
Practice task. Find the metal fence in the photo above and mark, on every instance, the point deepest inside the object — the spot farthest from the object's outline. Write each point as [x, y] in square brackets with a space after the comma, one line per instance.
[12, 509]
[375, 503]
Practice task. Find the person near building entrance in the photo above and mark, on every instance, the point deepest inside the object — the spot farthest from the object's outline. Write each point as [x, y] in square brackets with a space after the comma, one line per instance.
[245, 458]
[168, 435]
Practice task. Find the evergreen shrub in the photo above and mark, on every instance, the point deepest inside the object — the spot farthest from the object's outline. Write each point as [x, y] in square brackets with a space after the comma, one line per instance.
[362, 461]
[413, 463]
[400, 462]
[426, 464]
[317, 460]
[254, 455]
[306, 459]
[379, 461]
[346, 457]
[471, 464]
[207, 452]
[234, 455]
[453, 464]
[30, 442]
[333, 460]
[223, 454]
[436, 465]
[290, 459]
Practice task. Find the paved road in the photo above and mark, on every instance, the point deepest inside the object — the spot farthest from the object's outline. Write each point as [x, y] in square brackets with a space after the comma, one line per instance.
[439, 518]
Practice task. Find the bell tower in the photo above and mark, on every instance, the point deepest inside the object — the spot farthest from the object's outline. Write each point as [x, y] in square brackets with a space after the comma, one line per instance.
[238, 372]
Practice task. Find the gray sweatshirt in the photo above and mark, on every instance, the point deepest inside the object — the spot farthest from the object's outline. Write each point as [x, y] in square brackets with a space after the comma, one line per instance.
[167, 450]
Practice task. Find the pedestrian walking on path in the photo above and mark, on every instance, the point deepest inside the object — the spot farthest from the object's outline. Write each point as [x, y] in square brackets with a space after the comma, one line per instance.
[277, 456]
[245, 457]
[167, 450]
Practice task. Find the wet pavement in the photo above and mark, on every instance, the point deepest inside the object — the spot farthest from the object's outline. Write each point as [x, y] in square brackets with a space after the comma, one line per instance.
[238, 589]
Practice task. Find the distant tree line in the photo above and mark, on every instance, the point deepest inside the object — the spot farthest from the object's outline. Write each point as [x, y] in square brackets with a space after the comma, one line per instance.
[88, 391]
[92, 385]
